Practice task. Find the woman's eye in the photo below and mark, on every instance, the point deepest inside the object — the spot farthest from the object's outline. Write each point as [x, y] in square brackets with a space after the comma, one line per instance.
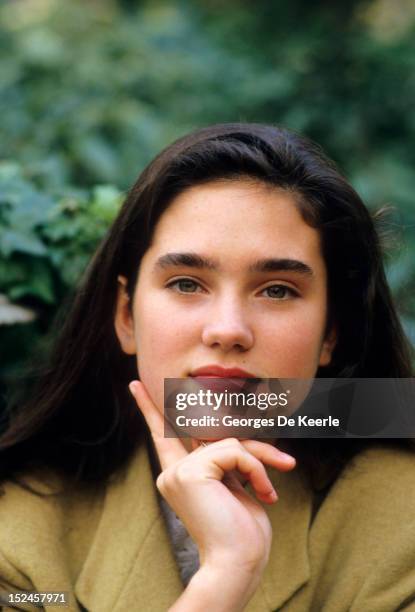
[184, 285]
[280, 292]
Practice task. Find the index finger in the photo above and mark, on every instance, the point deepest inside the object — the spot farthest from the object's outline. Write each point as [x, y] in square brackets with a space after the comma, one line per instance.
[169, 450]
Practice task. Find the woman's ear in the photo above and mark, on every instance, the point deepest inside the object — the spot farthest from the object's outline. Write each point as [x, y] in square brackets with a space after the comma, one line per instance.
[123, 320]
[328, 346]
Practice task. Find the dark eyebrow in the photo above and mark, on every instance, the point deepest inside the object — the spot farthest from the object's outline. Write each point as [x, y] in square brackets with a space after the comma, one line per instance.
[190, 260]
[278, 265]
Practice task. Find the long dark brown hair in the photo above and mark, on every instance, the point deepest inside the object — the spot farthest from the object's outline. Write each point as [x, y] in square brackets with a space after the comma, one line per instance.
[80, 418]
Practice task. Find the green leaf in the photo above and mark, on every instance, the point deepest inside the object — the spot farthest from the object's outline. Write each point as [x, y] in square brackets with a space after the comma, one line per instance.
[38, 283]
[12, 241]
[106, 202]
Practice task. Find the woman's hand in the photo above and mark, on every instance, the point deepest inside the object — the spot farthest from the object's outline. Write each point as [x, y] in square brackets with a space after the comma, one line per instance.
[230, 528]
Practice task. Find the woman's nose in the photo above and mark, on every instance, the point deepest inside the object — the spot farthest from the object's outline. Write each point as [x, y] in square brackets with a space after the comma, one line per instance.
[228, 328]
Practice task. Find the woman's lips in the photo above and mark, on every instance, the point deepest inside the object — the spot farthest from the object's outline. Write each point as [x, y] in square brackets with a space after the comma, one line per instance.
[220, 379]
[217, 371]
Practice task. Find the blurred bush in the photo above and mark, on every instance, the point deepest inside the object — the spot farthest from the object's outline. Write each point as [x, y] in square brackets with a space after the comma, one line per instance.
[90, 92]
[46, 242]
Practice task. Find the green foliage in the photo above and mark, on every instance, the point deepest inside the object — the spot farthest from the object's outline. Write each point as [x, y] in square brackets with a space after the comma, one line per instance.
[90, 92]
[46, 241]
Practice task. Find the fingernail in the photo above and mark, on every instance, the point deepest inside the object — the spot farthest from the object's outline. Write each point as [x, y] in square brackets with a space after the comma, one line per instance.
[273, 496]
[288, 457]
[132, 387]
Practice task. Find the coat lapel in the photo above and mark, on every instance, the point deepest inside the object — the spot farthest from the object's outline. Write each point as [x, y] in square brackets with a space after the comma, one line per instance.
[130, 565]
[288, 567]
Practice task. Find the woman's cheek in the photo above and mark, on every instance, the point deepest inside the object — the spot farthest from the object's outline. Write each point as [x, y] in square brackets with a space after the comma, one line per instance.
[305, 352]
[152, 379]
[293, 349]
[161, 349]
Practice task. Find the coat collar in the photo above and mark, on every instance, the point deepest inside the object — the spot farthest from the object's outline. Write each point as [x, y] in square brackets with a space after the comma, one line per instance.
[130, 562]
[288, 568]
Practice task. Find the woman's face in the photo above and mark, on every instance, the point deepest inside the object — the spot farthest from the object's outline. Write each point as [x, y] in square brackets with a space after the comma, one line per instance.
[234, 277]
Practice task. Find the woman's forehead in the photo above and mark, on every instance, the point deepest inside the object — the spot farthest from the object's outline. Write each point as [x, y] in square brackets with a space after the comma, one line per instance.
[239, 217]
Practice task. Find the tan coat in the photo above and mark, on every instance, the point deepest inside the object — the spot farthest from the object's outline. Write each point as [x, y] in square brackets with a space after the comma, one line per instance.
[111, 551]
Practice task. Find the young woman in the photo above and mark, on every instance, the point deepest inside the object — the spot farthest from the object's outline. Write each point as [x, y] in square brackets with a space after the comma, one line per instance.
[240, 251]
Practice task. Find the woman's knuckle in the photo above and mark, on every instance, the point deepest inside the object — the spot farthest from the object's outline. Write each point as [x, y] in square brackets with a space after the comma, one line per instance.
[161, 482]
[184, 472]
